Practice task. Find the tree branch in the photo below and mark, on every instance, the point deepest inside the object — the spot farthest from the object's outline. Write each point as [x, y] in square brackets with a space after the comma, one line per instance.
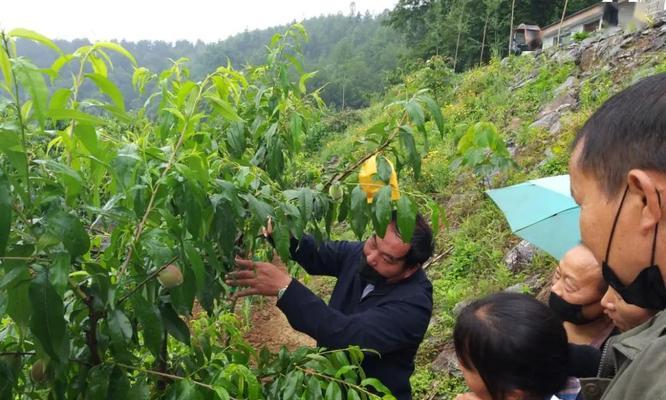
[151, 276]
[151, 202]
[349, 170]
[91, 332]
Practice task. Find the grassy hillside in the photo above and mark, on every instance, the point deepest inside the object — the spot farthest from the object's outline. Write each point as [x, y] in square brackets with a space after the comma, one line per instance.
[559, 89]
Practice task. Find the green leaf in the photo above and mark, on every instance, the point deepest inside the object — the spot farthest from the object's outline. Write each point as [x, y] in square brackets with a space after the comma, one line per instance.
[344, 207]
[175, 326]
[31, 35]
[184, 390]
[6, 67]
[352, 395]
[379, 129]
[236, 140]
[47, 322]
[182, 296]
[10, 369]
[196, 264]
[18, 300]
[408, 143]
[294, 381]
[260, 210]
[306, 202]
[79, 116]
[436, 216]
[5, 212]
[70, 231]
[383, 209]
[416, 114]
[223, 107]
[304, 78]
[98, 382]
[108, 88]
[333, 391]
[120, 387]
[88, 136]
[221, 393]
[120, 332]
[281, 235]
[435, 112]
[120, 326]
[384, 169]
[59, 272]
[61, 62]
[376, 384]
[296, 130]
[314, 389]
[98, 65]
[10, 144]
[346, 369]
[359, 205]
[117, 48]
[13, 276]
[406, 218]
[33, 82]
[59, 99]
[152, 326]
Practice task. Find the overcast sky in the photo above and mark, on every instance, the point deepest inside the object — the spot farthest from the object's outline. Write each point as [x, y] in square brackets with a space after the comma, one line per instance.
[209, 20]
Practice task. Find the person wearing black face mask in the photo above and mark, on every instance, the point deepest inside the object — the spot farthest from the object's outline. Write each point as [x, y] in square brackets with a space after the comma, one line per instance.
[618, 177]
[382, 299]
[575, 296]
[647, 290]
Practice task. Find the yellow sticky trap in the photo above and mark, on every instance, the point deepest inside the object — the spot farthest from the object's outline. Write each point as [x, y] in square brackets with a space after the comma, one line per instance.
[370, 182]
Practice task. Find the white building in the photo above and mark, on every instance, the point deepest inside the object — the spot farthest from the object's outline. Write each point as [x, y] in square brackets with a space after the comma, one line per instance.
[623, 13]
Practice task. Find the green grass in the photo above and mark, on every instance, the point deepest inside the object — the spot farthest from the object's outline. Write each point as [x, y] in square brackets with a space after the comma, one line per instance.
[478, 237]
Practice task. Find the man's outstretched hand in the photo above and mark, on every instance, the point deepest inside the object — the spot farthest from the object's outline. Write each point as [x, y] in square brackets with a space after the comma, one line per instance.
[258, 277]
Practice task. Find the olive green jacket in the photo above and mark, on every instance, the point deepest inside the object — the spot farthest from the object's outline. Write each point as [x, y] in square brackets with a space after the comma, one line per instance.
[633, 365]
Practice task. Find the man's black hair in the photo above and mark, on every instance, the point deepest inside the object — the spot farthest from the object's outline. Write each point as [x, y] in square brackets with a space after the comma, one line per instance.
[421, 246]
[627, 132]
[514, 342]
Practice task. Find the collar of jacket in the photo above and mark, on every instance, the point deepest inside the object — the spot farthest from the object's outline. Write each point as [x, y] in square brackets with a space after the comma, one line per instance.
[387, 287]
[632, 342]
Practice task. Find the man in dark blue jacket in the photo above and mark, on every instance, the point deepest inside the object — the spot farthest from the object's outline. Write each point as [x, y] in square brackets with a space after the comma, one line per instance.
[381, 301]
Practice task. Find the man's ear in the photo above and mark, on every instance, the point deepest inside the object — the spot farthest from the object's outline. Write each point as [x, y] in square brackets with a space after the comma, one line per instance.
[644, 185]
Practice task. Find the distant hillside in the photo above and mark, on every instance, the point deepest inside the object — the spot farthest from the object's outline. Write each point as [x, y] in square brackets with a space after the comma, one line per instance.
[536, 103]
[353, 54]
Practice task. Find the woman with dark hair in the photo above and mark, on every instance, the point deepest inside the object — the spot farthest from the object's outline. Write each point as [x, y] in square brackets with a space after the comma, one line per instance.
[511, 347]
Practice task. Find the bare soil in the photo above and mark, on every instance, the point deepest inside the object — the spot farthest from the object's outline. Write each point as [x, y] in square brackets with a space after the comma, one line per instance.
[270, 328]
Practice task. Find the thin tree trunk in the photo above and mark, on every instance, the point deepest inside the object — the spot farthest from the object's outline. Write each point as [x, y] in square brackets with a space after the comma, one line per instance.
[460, 28]
[483, 41]
[455, 56]
[559, 28]
[513, 4]
[343, 96]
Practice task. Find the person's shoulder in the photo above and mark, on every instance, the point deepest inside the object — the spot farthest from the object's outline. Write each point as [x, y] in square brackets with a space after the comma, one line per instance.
[640, 371]
[416, 288]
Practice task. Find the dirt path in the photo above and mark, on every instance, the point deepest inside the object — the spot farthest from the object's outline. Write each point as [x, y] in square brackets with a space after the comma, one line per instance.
[270, 328]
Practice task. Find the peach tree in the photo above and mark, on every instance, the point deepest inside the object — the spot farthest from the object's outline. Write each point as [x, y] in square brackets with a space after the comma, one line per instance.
[117, 226]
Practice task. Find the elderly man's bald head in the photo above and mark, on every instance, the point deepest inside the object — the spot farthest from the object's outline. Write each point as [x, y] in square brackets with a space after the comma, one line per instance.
[580, 263]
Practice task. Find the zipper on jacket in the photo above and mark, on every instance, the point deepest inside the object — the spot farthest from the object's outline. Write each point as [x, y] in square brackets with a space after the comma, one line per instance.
[603, 361]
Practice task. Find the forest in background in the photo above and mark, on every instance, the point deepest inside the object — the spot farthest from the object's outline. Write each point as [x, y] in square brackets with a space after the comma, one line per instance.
[356, 56]
[469, 32]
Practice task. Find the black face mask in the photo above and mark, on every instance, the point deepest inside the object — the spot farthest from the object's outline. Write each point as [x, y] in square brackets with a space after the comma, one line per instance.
[647, 290]
[369, 274]
[566, 311]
